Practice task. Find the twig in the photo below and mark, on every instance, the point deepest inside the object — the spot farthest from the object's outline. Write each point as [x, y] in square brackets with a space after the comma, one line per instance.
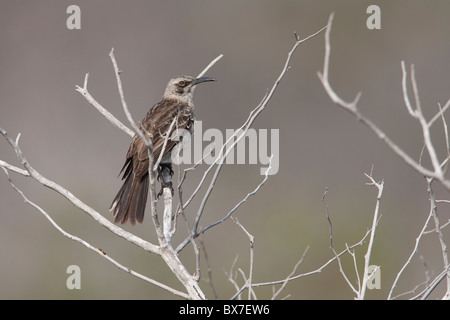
[440, 114]
[440, 236]
[201, 74]
[413, 290]
[209, 269]
[166, 139]
[432, 214]
[414, 251]
[376, 217]
[341, 269]
[405, 92]
[194, 235]
[444, 164]
[250, 273]
[430, 288]
[419, 116]
[233, 281]
[84, 91]
[294, 270]
[336, 257]
[306, 274]
[244, 129]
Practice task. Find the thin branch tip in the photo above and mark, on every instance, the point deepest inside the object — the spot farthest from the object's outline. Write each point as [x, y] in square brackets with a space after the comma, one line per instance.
[86, 77]
[213, 62]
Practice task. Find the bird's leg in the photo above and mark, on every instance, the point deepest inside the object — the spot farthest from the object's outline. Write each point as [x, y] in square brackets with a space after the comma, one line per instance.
[165, 174]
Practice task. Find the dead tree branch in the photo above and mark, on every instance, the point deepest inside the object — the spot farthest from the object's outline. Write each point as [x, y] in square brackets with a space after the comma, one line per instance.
[438, 169]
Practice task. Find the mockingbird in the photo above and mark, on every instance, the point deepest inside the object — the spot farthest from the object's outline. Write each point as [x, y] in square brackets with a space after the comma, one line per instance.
[176, 106]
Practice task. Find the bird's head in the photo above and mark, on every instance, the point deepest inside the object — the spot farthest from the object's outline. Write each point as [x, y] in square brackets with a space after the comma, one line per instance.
[182, 87]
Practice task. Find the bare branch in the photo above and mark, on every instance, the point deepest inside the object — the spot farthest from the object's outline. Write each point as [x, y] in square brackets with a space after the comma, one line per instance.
[242, 133]
[122, 97]
[84, 91]
[194, 235]
[440, 113]
[100, 252]
[15, 169]
[427, 291]
[166, 139]
[415, 89]
[209, 280]
[341, 269]
[405, 92]
[250, 273]
[440, 235]
[376, 217]
[437, 173]
[425, 128]
[77, 202]
[232, 280]
[447, 139]
[316, 271]
[294, 270]
[414, 251]
[350, 106]
[167, 216]
[244, 128]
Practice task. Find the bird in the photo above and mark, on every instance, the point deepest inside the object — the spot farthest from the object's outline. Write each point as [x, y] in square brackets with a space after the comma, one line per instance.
[175, 106]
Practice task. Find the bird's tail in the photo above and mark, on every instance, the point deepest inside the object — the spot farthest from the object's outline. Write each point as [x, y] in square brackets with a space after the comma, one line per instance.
[131, 199]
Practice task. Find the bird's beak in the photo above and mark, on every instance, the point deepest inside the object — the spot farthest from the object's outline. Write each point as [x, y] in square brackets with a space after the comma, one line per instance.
[202, 79]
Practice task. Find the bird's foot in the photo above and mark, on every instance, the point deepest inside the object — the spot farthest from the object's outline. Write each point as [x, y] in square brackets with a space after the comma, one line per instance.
[165, 185]
[165, 174]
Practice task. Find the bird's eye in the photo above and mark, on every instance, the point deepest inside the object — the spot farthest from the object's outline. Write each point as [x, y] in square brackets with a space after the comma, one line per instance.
[182, 83]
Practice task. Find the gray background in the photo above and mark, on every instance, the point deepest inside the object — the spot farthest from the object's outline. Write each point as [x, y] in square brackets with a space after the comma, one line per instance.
[321, 146]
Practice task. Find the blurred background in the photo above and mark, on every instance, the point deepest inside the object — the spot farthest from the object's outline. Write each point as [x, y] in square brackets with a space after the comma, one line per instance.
[321, 146]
